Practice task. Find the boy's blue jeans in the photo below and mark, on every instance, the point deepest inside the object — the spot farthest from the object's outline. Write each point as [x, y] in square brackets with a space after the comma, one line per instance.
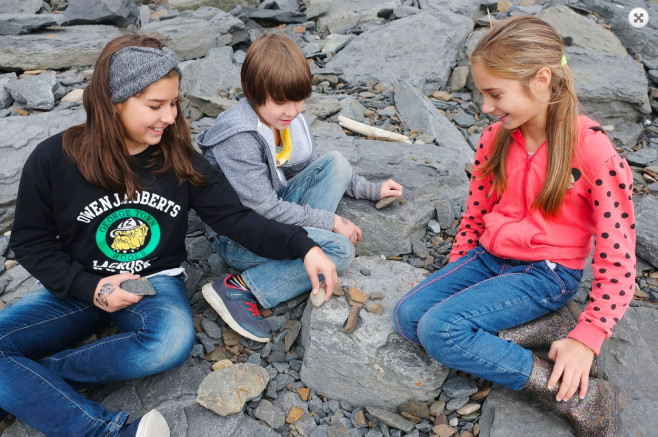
[321, 185]
[38, 367]
[457, 312]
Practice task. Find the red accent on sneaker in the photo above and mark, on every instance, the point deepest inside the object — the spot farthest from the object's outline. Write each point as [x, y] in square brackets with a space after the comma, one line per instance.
[253, 309]
[230, 285]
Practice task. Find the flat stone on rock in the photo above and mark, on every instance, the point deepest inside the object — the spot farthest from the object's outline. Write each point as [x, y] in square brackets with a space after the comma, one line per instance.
[16, 24]
[226, 391]
[273, 416]
[373, 365]
[56, 48]
[646, 212]
[583, 32]
[203, 86]
[391, 419]
[20, 6]
[36, 92]
[619, 92]
[420, 114]
[99, 11]
[193, 33]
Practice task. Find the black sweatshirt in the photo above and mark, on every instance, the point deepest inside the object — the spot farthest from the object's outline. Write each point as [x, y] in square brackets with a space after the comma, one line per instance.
[69, 233]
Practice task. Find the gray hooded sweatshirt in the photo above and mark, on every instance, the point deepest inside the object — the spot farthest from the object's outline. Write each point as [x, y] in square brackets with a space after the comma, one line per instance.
[243, 148]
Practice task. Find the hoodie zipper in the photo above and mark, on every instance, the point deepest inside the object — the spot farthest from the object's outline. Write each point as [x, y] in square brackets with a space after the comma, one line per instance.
[525, 201]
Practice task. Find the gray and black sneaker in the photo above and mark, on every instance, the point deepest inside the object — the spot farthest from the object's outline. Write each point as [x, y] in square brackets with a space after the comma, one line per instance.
[238, 308]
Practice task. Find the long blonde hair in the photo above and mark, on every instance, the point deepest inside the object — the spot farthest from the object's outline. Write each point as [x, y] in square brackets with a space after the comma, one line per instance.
[517, 48]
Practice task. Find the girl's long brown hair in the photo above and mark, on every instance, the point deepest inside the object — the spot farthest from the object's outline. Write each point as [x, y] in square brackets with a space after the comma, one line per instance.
[98, 146]
[517, 48]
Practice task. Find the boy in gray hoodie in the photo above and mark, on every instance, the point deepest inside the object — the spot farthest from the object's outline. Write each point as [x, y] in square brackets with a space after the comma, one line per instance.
[266, 149]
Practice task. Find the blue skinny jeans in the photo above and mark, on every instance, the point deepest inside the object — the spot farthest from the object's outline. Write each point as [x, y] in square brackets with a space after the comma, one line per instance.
[457, 312]
[40, 362]
[321, 185]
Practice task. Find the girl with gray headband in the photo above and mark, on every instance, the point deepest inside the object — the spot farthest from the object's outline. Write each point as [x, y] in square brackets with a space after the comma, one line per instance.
[100, 221]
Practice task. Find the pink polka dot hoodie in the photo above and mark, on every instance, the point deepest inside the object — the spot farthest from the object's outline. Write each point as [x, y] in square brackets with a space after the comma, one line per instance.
[597, 203]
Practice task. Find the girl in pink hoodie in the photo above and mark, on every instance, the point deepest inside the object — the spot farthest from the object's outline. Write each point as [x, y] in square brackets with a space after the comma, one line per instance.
[546, 184]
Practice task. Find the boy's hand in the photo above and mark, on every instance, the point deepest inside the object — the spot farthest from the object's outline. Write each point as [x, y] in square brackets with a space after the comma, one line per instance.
[317, 263]
[346, 228]
[573, 361]
[390, 188]
[110, 297]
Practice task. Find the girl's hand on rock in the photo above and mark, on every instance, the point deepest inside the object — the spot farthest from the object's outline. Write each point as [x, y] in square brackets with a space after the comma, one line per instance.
[390, 188]
[573, 361]
[110, 297]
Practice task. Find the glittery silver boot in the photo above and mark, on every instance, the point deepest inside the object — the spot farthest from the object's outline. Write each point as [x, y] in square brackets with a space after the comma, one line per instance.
[598, 415]
[540, 333]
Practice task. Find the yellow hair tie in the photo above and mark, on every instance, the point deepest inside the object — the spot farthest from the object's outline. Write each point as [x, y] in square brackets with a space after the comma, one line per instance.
[563, 62]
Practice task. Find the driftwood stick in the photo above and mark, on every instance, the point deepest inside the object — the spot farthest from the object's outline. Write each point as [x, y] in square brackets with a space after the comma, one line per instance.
[371, 131]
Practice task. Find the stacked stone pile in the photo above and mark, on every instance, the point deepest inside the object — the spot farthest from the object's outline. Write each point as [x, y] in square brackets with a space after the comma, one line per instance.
[398, 65]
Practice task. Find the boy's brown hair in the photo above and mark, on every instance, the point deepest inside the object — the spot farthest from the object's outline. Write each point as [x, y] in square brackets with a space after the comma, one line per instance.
[275, 67]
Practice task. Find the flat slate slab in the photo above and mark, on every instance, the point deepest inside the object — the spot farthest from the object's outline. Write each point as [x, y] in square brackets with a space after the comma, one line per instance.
[55, 48]
[373, 365]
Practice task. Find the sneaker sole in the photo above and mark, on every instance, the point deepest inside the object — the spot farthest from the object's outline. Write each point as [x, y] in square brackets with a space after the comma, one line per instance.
[153, 424]
[217, 303]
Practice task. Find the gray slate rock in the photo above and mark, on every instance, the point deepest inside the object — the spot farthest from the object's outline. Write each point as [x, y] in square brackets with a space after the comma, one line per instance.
[56, 48]
[373, 365]
[20, 136]
[5, 97]
[273, 416]
[459, 387]
[419, 113]
[21, 283]
[619, 92]
[321, 106]
[643, 157]
[35, 92]
[202, 84]
[99, 11]
[193, 33]
[271, 16]
[643, 40]
[225, 5]
[509, 414]
[646, 212]
[339, 15]
[20, 6]
[409, 53]
[390, 231]
[467, 8]
[584, 33]
[391, 419]
[140, 287]
[16, 24]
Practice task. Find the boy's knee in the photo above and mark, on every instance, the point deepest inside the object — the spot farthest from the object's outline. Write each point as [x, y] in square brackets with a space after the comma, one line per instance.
[340, 165]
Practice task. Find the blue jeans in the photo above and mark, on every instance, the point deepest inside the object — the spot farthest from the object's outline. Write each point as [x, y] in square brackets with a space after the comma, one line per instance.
[38, 368]
[456, 313]
[321, 185]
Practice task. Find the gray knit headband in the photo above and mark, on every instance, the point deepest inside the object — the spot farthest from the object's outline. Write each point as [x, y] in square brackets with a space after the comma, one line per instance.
[134, 68]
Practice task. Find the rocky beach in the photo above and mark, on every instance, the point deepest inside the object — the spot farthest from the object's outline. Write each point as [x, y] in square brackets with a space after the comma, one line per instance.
[400, 69]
